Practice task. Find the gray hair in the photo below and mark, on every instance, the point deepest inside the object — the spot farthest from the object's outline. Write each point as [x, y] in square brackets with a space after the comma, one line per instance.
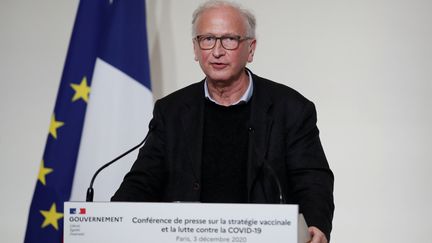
[248, 16]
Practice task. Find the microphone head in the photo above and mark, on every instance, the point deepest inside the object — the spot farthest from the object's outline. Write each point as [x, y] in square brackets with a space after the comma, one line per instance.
[90, 193]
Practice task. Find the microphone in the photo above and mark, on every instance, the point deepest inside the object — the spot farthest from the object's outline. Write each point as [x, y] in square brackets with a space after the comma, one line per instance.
[90, 191]
[265, 165]
[273, 175]
[276, 179]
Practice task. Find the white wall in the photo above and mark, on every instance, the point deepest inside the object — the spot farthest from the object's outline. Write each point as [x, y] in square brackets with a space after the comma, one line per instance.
[366, 65]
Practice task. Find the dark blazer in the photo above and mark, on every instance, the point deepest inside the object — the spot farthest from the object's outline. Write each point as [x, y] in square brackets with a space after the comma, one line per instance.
[283, 142]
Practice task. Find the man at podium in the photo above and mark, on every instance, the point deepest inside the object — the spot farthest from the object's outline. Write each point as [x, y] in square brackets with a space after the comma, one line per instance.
[233, 137]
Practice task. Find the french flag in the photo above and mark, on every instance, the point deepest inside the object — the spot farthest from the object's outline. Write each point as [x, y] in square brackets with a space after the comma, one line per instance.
[121, 102]
[103, 107]
[74, 211]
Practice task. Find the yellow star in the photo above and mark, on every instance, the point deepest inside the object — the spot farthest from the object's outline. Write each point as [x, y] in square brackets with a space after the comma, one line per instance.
[43, 171]
[54, 125]
[81, 91]
[51, 217]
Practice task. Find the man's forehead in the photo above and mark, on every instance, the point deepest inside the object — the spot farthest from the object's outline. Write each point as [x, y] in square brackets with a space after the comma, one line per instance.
[221, 20]
[226, 11]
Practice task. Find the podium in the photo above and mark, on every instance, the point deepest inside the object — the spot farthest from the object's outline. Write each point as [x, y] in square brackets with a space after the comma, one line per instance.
[111, 222]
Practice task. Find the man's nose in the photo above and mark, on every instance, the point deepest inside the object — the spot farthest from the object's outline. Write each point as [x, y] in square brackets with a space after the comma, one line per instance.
[218, 49]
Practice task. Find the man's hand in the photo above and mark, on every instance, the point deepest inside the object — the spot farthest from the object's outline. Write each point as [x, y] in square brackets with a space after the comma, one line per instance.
[317, 235]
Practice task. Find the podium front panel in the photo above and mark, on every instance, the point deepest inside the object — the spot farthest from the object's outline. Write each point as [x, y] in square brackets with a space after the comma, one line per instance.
[179, 222]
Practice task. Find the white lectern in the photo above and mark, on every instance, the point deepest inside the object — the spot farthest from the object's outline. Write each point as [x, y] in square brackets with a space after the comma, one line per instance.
[111, 222]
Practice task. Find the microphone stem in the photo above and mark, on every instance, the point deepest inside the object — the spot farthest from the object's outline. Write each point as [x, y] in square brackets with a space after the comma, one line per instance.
[90, 191]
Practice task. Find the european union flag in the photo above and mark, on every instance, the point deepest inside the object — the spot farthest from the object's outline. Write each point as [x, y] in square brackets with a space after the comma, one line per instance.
[106, 70]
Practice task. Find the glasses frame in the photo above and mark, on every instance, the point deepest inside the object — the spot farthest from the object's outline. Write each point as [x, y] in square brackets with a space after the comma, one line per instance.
[238, 38]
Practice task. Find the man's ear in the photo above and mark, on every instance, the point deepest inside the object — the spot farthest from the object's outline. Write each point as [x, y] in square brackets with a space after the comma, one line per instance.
[196, 49]
[252, 47]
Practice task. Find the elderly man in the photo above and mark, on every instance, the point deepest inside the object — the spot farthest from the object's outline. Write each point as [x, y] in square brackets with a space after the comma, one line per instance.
[234, 137]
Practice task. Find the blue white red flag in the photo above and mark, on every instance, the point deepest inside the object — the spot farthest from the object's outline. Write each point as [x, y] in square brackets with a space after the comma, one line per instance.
[103, 106]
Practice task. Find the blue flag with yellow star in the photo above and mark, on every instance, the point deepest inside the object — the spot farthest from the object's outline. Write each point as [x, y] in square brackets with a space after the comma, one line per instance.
[103, 101]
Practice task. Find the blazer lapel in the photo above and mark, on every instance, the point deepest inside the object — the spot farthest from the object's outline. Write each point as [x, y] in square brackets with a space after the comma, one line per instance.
[193, 122]
[261, 123]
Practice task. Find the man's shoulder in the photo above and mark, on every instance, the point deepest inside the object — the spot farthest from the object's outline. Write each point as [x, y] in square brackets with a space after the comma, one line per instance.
[277, 91]
[187, 94]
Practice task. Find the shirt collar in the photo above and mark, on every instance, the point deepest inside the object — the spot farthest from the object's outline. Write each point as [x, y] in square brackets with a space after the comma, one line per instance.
[245, 97]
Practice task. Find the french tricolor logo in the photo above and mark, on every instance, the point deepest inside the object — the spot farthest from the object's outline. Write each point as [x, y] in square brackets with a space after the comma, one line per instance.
[77, 211]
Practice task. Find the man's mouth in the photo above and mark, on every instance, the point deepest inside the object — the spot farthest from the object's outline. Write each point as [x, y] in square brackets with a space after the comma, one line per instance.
[218, 65]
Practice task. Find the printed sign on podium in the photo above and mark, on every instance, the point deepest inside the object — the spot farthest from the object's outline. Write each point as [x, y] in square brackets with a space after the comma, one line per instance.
[181, 222]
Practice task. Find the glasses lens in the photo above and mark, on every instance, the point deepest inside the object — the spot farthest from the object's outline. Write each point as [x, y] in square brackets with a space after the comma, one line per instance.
[206, 42]
[230, 42]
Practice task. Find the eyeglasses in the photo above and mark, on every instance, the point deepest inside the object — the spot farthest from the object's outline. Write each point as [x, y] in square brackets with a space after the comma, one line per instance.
[229, 42]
